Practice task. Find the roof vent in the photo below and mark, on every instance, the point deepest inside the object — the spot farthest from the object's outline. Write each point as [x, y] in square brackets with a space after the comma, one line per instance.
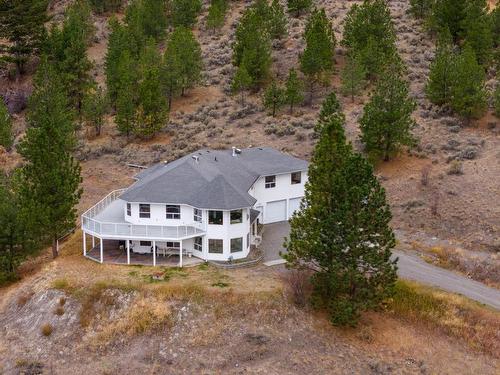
[196, 158]
[236, 151]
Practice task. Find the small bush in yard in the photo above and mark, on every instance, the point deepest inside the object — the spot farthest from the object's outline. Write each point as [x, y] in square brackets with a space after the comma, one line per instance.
[47, 329]
[299, 286]
[59, 310]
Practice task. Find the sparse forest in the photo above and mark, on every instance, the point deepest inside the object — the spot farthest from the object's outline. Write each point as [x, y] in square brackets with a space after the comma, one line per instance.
[396, 105]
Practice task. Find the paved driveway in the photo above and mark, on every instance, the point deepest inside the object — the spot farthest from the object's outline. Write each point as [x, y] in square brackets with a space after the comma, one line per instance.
[409, 267]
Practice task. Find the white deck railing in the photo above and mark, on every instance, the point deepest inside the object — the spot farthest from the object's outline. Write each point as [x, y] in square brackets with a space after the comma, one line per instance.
[117, 230]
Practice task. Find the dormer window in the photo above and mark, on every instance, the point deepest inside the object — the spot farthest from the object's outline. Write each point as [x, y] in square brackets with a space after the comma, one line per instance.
[270, 182]
[144, 211]
[296, 178]
[129, 209]
[173, 211]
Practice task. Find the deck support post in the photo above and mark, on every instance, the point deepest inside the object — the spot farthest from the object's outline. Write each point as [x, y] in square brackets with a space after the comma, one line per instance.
[154, 253]
[128, 251]
[180, 255]
[84, 244]
[93, 242]
[101, 250]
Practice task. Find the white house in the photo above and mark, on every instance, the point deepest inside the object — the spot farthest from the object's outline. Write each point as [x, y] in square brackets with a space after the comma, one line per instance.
[206, 204]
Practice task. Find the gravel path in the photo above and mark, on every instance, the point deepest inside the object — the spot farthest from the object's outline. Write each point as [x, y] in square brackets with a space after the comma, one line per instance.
[410, 267]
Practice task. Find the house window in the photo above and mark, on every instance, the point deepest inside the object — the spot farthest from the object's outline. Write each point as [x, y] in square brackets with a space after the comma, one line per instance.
[296, 177]
[173, 211]
[129, 210]
[236, 216]
[197, 215]
[198, 244]
[270, 182]
[215, 246]
[215, 217]
[144, 210]
[236, 245]
[173, 245]
[145, 243]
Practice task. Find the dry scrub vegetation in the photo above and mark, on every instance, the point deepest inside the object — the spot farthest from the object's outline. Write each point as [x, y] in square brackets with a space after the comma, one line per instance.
[120, 320]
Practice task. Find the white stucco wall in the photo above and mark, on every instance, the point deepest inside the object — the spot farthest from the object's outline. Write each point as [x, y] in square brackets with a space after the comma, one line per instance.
[284, 190]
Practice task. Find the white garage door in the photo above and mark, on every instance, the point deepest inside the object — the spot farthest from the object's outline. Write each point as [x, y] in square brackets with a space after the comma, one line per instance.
[293, 205]
[275, 211]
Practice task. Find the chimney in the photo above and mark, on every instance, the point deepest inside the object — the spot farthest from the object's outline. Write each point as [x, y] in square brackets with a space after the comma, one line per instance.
[236, 151]
[196, 158]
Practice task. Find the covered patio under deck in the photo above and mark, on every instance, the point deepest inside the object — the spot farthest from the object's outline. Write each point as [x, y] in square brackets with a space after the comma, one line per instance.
[114, 254]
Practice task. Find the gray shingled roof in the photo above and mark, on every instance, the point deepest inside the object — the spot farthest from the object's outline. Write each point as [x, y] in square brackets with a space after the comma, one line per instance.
[217, 180]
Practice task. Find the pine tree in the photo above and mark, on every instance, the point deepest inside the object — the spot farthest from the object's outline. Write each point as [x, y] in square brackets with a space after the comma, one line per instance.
[478, 31]
[495, 24]
[241, 83]
[342, 231]
[274, 98]
[106, 6]
[216, 14]
[50, 178]
[496, 99]
[170, 69]
[438, 88]
[331, 106]
[369, 32]
[278, 21]
[353, 76]
[421, 8]
[297, 6]
[386, 122]
[293, 90]
[22, 29]
[468, 94]
[186, 49]
[252, 47]
[95, 105]
[146, 19]
[317, 60]
[126, 100]
[185, 12]
[151, 113]
[6, 138]
[450, 14]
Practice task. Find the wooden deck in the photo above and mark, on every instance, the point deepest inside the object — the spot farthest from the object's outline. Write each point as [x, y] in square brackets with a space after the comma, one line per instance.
[112, 254]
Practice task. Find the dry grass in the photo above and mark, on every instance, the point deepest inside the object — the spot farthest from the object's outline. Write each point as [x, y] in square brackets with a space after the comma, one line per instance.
[454, 315]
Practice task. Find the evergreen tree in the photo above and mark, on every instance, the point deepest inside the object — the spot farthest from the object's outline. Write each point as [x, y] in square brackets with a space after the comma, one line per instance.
[22, 30]
[495, 24]
[421, 8]
[105, 6]
[146, 19]
[6, 138]
[185, 12]
[278, 21]
[342, 231]
[293, 90]
[49, 187]
[438, 88]
[496, 99]
[171, 68]
[297, 6]
[151, 113]
[386, 122]
[331, 106]
[216, 14]
[450, 14]
[317, 60]
[274, 98]
[468, 94]
[95, 105]
[478, 31]
[252, 47]
[126, 100]
[353, 76]
[369, 32]
[241, 83]
[187, 51]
